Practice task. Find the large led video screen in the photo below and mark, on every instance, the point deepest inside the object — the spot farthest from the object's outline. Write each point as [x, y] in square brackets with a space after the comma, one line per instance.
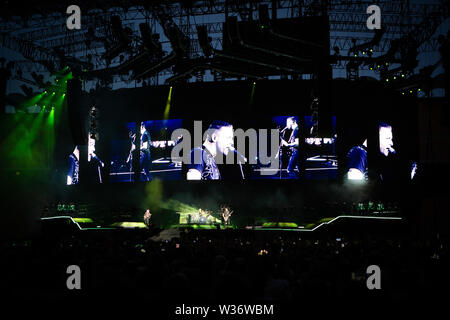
[321, 161]
[122, 151]
[156, 159]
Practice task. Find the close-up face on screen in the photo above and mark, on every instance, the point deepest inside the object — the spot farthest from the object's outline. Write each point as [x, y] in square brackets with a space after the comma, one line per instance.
[206, 159]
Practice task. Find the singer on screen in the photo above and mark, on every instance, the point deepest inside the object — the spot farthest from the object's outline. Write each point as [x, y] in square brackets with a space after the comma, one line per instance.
[218, 143]
[387, 155]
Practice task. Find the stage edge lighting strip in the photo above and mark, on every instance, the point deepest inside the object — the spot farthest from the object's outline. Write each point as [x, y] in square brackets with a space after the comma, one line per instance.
[79, 227]
[355, 217]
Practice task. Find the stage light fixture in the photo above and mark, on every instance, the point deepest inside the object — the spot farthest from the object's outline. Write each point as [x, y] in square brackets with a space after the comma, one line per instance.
[27, 90]
[204, 40]
[151, 41]
[264, 18]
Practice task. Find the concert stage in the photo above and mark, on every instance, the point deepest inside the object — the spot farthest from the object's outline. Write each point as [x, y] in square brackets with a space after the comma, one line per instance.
[342, 225]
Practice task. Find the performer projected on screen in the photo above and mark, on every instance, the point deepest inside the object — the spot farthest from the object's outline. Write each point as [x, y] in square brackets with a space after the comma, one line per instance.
[292, 144]
[387, 156]
[132, 137]
[145, 155]
[386, 139]
[93, 158]
[219, 141]
[74, 167]
[357, 162]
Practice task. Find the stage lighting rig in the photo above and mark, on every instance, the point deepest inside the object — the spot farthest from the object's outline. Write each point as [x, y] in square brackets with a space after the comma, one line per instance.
[39, 79]
[120, 42]
[75, 64]
[204, 40]
[151, 42]
[264, 19]
[179, 42]
[366, 47]
[27, 90]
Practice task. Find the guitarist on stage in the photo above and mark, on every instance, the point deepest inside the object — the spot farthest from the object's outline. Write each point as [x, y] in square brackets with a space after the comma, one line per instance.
[293, 144]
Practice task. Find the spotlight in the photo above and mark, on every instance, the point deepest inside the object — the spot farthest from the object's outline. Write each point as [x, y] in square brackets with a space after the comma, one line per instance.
[355, 175]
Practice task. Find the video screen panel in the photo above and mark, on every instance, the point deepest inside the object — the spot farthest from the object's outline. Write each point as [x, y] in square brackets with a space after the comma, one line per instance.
[265, 149]
[122, 152]
[394, 157]
[354, 140]
[381, 151]
[278, 151]
[320, 152]
[73, 170]
[156, 159]
[215, 150]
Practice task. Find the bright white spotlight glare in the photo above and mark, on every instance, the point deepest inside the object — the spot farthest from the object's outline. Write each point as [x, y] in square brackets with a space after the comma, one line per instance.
[355, 174]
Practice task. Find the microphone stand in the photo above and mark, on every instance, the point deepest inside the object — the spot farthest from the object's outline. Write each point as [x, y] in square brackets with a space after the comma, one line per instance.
[242, 171]
[99, 174]
[280, 154]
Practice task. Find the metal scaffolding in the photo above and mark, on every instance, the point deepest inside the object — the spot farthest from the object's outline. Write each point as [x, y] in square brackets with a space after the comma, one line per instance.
[44, 36]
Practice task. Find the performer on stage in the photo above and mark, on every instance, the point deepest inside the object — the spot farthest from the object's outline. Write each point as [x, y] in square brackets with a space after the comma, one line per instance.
[292, 144]
[74, 167]
[219, 142]
[145, 155]
[147, 217]
[226, 214]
